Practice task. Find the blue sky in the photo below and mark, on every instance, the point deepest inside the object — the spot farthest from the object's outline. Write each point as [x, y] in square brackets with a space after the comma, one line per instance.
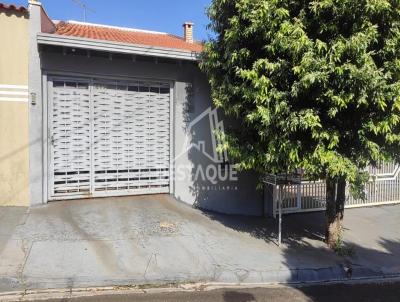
[159, 15]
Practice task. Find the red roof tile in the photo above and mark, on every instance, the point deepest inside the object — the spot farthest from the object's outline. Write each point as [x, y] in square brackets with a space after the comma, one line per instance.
[100, 32]
[13, 7]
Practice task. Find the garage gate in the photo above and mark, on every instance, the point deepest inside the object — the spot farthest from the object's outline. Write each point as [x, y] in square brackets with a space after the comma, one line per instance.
[108, 137]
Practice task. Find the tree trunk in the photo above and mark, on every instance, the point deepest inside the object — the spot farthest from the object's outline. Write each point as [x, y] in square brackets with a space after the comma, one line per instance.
[335, 198]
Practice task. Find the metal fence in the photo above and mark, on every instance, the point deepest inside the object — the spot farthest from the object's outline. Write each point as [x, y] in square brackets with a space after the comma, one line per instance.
[382, 188]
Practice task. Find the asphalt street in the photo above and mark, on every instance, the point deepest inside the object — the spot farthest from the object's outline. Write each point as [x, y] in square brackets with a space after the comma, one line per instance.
[387, 292]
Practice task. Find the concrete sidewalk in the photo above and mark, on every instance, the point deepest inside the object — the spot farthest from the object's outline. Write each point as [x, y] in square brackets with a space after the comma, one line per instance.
[155, 239]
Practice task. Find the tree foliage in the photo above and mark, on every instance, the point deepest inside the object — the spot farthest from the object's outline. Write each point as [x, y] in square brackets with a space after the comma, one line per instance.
[311, 84]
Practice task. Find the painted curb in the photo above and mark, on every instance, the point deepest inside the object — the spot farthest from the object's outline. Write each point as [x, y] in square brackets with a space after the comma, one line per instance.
[68, 293]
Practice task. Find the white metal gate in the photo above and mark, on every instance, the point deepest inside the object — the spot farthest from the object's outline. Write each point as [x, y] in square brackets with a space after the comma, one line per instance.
[382, 188]
[108, 138]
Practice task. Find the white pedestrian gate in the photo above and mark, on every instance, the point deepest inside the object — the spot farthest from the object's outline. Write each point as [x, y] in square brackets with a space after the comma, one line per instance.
[383, 188]
[108, 138]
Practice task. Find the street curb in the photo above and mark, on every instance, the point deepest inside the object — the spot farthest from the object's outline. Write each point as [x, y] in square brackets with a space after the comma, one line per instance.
[68, 293]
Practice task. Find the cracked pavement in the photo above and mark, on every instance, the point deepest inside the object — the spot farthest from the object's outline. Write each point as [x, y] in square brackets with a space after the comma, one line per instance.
[155, 239]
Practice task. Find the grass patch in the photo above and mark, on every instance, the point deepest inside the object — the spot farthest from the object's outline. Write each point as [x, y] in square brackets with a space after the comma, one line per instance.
[341, 249]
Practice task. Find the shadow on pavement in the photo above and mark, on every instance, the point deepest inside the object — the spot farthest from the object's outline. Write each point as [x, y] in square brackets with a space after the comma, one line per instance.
[296, 227]
[303, 236]
[236, 296]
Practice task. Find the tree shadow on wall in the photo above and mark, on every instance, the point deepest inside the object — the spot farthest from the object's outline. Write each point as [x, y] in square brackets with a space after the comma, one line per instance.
[212, 182]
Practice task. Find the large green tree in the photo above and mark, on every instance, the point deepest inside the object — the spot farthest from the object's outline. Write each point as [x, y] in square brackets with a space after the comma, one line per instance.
[310, 84]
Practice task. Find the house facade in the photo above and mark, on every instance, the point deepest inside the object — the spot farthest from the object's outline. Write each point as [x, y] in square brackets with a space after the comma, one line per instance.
[90, 110]
[14, 121]
[120, 111]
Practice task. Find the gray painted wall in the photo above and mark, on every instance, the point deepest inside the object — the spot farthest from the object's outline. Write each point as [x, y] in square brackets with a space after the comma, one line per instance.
[35, 110]
[191, 98]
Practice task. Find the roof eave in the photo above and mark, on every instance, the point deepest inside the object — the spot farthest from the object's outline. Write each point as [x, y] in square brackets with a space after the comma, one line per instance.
[116, 47]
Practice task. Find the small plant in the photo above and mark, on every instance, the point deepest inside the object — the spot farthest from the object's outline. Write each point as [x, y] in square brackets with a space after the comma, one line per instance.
[340, 248]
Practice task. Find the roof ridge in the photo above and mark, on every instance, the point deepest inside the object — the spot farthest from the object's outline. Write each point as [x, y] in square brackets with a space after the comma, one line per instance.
[105, 33]
[116, 27]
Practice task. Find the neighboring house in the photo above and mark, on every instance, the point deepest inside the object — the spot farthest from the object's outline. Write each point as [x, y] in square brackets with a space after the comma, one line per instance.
[111, 110]
[14, 126]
